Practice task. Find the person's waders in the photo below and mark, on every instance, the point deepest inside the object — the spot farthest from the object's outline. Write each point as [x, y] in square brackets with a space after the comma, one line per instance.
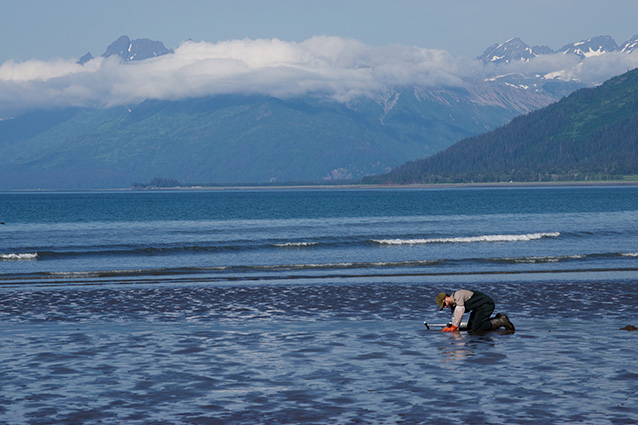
[481, 307]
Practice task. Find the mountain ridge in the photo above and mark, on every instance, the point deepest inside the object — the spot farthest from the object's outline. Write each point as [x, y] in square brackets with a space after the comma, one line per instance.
[135, 50]
[590, 134]
[210, 140]
[516, 50]
[241, 138]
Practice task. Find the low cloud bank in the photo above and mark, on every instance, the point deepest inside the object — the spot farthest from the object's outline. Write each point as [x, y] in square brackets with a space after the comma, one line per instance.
[338, 68]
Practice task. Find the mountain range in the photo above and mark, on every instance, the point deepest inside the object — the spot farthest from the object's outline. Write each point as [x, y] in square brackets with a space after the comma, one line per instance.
[515, 50]
[590, 135]
[241, 138]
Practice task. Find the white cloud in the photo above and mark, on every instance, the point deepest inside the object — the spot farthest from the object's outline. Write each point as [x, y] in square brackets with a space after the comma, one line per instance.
[597, 69]
[589, 71]
[35, 70]
[330, 66]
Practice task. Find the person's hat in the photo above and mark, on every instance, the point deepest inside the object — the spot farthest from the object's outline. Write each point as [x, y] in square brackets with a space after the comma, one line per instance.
[440, 300]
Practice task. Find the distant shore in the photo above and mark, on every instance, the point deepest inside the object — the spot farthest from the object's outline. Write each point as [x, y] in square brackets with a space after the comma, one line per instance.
[349, 186]
[398, 186]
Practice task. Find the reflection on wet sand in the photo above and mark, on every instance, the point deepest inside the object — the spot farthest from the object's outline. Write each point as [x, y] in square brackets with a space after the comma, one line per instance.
[463, 345]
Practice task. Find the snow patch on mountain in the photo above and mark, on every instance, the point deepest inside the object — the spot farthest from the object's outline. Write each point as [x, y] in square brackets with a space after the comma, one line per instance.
[630, 45]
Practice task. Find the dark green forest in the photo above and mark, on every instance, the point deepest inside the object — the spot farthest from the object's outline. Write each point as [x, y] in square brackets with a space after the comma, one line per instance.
[590, 135]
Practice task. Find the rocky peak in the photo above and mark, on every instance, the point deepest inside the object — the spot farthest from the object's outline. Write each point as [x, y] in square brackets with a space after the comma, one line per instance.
[513, 50]
[592, 47]
[630, 45]
[135, 50]
[84, 59]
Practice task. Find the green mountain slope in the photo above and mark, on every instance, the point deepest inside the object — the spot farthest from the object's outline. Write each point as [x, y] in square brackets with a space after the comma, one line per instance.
[591, 134]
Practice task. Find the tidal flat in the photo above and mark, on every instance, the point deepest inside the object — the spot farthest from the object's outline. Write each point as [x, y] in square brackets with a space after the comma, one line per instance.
[316, 354]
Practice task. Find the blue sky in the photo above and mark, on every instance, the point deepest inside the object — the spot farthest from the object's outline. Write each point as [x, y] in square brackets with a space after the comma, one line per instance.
[46, 29]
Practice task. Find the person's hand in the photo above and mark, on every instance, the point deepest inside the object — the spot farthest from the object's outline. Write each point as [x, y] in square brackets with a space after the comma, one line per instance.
[451, 328]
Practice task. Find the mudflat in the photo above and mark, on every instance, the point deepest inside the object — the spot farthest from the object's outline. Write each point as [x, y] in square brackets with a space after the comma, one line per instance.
[320, 353]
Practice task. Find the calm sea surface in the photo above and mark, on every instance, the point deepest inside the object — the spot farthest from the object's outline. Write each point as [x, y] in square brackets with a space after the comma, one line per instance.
[331, 235]
[307, 306]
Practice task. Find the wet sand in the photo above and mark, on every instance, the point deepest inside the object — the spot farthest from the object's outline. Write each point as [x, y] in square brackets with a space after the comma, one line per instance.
[320, 354]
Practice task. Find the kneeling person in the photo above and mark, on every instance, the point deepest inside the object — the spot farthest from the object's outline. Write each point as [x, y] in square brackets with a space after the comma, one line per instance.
[481, 307]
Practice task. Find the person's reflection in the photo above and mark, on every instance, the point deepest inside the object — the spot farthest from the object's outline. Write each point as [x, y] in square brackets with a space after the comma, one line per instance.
[463, 345]
[456, 349]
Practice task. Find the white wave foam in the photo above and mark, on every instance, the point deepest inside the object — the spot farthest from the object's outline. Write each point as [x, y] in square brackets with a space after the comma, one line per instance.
[19, 257]
[74, 275]
[294, 244]
[556, 259]
[629, 254]
[533, 260]
[471, 239]
[348, 265]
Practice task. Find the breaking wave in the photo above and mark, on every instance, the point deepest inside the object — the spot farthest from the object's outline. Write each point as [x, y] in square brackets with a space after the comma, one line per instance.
[470, 239]
[19, 257]
[294, 244]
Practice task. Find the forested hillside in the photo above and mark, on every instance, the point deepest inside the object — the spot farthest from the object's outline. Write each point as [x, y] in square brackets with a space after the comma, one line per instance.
[590, 135]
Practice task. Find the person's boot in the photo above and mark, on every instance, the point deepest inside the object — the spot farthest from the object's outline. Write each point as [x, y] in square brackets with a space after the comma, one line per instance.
[502, 320]
[507, 323]
[496, 322]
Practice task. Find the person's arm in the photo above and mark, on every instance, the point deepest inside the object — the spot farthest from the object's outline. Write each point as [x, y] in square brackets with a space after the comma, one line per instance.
[457, 315]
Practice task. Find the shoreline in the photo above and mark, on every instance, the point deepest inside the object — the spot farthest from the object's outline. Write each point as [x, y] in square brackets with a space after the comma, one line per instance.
[410, 186]
[614, 183]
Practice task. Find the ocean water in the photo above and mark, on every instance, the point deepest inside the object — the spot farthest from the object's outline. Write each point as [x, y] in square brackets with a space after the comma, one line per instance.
[307, 306]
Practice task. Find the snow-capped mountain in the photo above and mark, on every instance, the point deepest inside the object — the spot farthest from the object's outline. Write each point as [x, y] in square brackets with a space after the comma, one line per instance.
[135, 50]
[513, 50]
[556, 82]
[592, 47]
[630, 45]
[239, 138]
